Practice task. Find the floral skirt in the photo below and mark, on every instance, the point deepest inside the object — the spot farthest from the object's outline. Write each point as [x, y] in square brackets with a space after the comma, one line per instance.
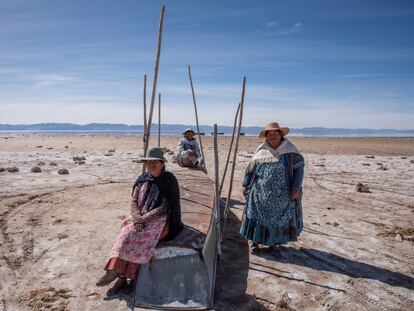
[257, 233]
[125, 268]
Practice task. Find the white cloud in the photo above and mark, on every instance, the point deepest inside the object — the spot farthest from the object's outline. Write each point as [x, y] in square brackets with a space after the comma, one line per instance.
[39, 80]
[271, 24]
[293, 29]
[297, 25]
[45, 80]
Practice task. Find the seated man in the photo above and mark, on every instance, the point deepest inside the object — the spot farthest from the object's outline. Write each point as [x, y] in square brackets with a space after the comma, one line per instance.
[188, 151]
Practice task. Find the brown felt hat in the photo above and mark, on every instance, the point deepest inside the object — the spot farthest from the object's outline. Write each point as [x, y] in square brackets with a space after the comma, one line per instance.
[273, 126]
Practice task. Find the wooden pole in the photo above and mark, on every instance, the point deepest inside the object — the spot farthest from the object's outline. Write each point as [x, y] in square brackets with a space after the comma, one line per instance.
[159, 119]
[229, 153]
[216, 175]
[154, 85]
[217, 207]
[145, 108]
[144, 137]
[203, 165]
[235, 153]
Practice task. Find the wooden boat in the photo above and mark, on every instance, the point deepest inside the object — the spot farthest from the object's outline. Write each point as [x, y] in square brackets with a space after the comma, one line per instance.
[181, 275]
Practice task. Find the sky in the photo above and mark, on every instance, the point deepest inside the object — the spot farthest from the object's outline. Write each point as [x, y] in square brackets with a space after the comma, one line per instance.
[342, 64]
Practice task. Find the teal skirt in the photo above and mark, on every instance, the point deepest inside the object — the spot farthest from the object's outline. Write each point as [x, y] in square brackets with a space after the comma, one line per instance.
[257, 233]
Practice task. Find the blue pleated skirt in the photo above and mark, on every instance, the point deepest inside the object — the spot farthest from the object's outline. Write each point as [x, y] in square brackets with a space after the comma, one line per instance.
[257, 233]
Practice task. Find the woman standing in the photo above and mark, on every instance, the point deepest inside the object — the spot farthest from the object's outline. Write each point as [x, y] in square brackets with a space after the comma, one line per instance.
[273, 190]
[155, 215]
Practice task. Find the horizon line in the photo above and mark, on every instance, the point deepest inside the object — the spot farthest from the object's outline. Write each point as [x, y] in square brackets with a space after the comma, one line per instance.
[180, 124]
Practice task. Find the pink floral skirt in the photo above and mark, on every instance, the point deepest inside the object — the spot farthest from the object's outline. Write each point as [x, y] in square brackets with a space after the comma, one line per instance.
[128, 265]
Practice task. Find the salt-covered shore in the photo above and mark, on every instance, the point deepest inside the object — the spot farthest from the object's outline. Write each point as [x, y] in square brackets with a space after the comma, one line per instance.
[356, 252]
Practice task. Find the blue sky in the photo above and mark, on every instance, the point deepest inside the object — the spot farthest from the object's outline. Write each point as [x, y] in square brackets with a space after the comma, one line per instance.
[346, 64]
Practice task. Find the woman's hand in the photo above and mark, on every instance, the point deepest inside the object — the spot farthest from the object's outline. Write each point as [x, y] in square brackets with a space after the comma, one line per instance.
[139, 227]
[137, 219]
[294, 195]
[141, 220]
[244, 190]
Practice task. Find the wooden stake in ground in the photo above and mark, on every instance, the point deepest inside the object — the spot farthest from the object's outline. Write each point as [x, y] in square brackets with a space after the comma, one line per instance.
[235, 153]
[216, 201]
[203, 164]
[144, 137]
[145, 110]
[154, 84]
[229, 153]
[159, 120]
[216, 175]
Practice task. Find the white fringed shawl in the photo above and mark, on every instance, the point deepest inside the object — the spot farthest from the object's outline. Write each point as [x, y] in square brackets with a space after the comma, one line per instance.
[266, 154]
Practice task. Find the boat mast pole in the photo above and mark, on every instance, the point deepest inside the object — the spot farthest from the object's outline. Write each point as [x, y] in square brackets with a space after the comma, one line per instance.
[203, 164]
[217, 209]
[144, 136]
[226, 209]
[145, 108]
[154, 85]
[159, 119]
[231, 146]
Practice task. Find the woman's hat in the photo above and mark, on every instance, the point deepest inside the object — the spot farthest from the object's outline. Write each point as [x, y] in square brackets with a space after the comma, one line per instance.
[188, 130]
[273, 126]
[155, 153]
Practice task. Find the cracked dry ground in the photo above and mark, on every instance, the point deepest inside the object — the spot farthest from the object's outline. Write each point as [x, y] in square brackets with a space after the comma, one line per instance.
[56, 230]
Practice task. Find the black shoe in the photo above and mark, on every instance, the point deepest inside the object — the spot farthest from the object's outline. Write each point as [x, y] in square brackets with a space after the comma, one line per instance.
[255, 248]
[271, 248]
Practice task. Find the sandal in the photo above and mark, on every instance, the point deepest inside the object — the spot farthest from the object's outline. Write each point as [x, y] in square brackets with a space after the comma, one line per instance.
[107, 279]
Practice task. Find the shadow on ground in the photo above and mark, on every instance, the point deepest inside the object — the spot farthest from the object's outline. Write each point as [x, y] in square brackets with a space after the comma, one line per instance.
[232, 271]
[323, 261]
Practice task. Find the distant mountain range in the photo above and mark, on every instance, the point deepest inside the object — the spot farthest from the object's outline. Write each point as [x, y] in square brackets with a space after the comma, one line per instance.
[171, 129]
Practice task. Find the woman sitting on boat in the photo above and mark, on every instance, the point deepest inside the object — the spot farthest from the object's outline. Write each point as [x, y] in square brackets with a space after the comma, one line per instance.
[155, 215]
[273, 189]
[188, 151]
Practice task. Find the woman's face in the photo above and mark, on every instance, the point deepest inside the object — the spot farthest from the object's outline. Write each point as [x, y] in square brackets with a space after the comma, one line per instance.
[274, 138]
[189, 135]
[155, 167]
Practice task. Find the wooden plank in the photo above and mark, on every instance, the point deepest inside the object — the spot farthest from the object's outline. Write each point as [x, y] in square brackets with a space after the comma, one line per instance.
[197, 199]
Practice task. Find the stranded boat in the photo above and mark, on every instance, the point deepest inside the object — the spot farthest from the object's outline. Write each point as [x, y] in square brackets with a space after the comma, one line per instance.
[181, 275]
